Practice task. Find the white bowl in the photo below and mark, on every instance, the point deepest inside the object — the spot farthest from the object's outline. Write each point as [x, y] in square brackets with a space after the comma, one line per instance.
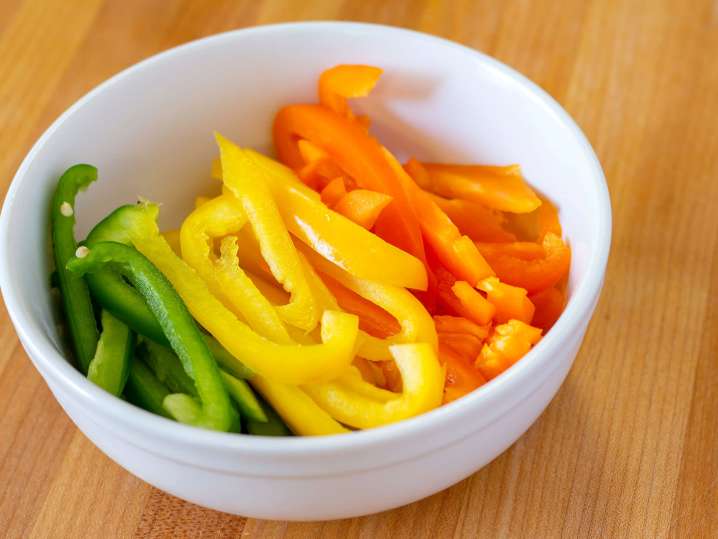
[149, 131]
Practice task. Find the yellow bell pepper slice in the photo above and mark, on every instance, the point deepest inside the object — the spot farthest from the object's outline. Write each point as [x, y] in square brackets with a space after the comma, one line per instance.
[415, 321]
[245, 180]
[216, 218]
[290, 364]
[335, 237]
[301, 414]
[423, 380]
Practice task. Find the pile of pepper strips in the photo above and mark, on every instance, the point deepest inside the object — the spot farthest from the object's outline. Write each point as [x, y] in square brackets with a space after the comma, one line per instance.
[349, 291]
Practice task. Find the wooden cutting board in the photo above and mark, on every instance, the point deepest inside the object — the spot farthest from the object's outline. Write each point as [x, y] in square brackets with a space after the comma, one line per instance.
[630, 445]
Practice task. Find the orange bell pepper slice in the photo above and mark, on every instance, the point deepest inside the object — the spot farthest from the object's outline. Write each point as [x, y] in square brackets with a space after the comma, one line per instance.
[372, 318]
[474, 306]
[360, 157]
[511, 302]
[456, 252]
[549, 305]
[518, 265]
[319, 168]
[333, 192]
[500, 188]
[346, 81]
[362, 206]
[506, 346]
[461, 376]
[475, 220]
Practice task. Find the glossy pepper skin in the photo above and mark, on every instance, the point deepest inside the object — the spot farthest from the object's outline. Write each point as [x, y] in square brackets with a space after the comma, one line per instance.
[125, 303]
[143, 389]
[214, 411]
[75, 295]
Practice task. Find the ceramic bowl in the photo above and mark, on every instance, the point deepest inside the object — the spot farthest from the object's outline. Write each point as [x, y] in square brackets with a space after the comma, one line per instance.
[149, 131]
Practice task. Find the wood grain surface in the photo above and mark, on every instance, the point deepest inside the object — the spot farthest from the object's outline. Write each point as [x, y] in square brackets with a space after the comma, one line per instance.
[629, 448]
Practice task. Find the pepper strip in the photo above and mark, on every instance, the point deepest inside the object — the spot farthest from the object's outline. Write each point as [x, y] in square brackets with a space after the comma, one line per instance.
[215, 411]
[110, 366]
[75, 295]
[416, 323]
[244, 179]
[360, 156]
[125, 303]
[456, 252]
[340, 82]
[423, 382]
[219, 217]
[331, 234]
[290, 364]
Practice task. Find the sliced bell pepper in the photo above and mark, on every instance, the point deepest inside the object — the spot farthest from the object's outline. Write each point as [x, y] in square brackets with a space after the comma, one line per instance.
[534, 274]
[173, 238]
[334, 191]
[461, 376]
[416, 323]
[297, 409]
[334, 236]
[362, 206]
[500, 188]
[143, 389]
[111, 364]
[372, 318]
[510, 301]
[319, 168]
[474, 306]
[214, 411]
[360, 157]
[456, 252]
[423, 382]
[124, 302]
[548, 221]
[549, 305]
[219, 217]
[346, 81]
[244, 179]
[75, 295]
[475, 220]
[292, 364]
[506, 346]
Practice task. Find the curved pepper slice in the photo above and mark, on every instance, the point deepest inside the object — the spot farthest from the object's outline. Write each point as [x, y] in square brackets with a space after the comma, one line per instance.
[75, 296]
[416, 323]
[506, 346]
[244, 179]
[332, 235]
[510, 301]
[528, 271]
[297, 409]
[423, 384]
[226, 279]
[291, 364]
[456, 252]
[549, 305]
[500, 188]
[345, 81]
[360, 157]
[215, 411]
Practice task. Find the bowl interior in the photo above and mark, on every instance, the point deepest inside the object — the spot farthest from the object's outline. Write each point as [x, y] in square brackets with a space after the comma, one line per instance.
[150, 131]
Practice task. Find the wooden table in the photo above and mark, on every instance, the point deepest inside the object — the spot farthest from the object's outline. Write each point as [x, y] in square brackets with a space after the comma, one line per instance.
[630, 445]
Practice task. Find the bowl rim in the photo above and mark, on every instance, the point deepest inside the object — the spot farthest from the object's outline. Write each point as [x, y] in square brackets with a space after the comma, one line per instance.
[580, 305]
